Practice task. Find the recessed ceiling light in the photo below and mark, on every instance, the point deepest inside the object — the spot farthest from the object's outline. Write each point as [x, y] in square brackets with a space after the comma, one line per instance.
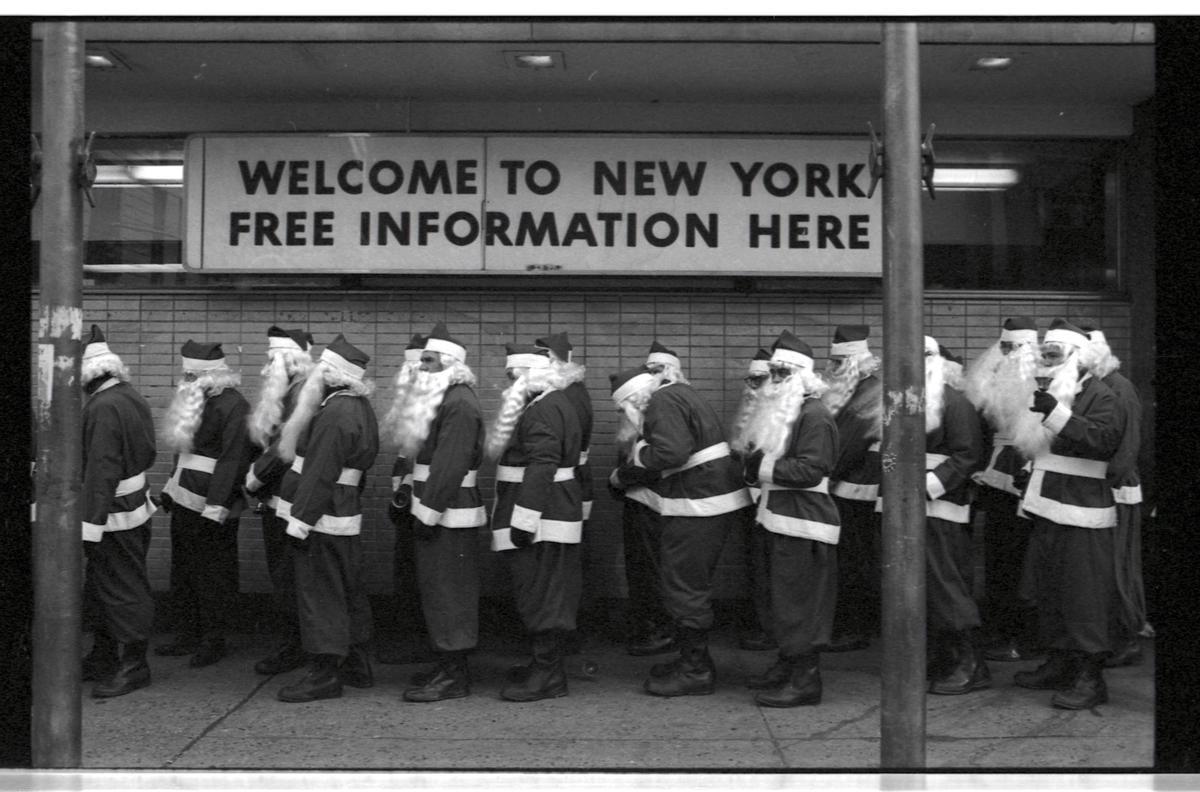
[992, 62]
[535, 60]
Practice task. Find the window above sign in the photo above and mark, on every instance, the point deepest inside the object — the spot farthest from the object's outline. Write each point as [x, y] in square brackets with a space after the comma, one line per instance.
[1006, 215]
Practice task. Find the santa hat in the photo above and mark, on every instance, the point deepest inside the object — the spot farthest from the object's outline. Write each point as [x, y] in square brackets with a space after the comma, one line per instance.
[199, 357]
[946, 353]
[758, 365]
[849, 340]
[412, 352]
[660, 354]
[94, 345]
[1019, 330]
[932, 347]
[526, 356]
[792, 351]
[1094, 334]
[342, 356]
[278, 338]
[559, 344]
[439, 340]
[629, 382]
[1063, 332]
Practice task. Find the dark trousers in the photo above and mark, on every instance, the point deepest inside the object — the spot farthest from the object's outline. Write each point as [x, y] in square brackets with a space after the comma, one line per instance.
[949, 603]
[642, 560]
[1006, 537]
[332, 602]
[691, 547]
[1129, 611]
[1071, 571]
[858, 599]
[117, 584]
[803, 592]
[204, 573]
[547, 585]
[409, 616]
[282, 569]
[758, 548]
[447, 568]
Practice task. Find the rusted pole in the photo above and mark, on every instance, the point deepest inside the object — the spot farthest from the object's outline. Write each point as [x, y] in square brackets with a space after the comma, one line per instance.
[57, 548]
[902, 718]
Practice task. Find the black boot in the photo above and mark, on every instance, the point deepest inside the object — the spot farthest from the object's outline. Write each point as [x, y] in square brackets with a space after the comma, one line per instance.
[102, 659]
[1129, 653]
[1088, 688]
[131, 673]
[321, 682]
[1057, 673]
[693, 674]
[286, 658]
[941, 654]
[773, 677]
[547, 678]
[803, 684]
[450, 679]
[208, 652]
[969, 672]
[355, 670]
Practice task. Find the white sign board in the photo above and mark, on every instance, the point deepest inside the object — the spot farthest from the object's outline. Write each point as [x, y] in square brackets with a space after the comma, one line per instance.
[592, 205]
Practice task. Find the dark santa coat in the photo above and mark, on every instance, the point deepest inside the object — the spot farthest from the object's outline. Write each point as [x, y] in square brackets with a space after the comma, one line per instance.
[445, 492]
[118, 449]
[795, 486]
[857, 471]
[209, 479]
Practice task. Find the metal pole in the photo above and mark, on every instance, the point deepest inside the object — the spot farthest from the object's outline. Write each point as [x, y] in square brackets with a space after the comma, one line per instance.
[902, 719]
[57, 544]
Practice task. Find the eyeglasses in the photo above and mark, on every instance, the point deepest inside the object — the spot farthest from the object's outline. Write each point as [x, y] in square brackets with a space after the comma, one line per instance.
[430, 359]
[190, 376]
[512, 374]
[755, 380]
[780, 372]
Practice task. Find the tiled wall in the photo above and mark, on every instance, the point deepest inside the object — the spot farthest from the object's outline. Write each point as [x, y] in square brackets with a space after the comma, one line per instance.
[714, 335]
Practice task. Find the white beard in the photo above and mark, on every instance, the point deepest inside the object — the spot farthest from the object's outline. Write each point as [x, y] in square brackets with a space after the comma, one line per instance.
[187, 407]
[308, 401]
[935, 392]
[842, 384]
[512, 403]
[405, 378]
[629, 426]
[413, 421]
[751, 401]
[1033, 439]
[1002, 387]
[771, 425]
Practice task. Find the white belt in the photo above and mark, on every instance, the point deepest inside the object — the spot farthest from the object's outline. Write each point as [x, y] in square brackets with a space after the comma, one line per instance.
[875, 446]
[348, 476]
[512, 474]
[131, 485]
[718, 451]
[196, 462]
[1071, 466]
[933, 460]
[583, 457]
[823, 487]
[421, 473]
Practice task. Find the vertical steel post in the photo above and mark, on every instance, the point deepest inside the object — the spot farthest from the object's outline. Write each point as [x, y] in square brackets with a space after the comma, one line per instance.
[902, 719]
[57, 544]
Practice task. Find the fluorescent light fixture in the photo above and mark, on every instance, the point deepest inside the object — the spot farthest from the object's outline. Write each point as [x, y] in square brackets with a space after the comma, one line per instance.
[975, 178]
[125, 175]
[535, 60]
[992, 63]
[103, 60]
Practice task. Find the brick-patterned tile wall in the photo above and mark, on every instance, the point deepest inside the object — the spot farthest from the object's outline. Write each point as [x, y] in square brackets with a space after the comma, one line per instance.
[714, 335]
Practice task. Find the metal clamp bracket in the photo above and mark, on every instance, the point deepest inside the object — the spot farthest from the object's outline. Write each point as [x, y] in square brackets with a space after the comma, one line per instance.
[876, 157]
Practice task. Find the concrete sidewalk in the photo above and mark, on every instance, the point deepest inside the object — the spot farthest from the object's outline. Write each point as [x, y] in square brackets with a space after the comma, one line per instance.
[227, 717]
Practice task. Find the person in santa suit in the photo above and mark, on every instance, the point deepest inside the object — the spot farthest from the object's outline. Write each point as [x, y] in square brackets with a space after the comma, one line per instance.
[330, 440]
[206, 426]
[855, 397]
[287, 367]
[681, 468]
[1070, 564]
[1129, 608]
[757, 636]
[441, 429]
[794, 442]
[538, 518]
[953, 453]
[118, 449]
[404, 569]
[998, 383]
[574, 373]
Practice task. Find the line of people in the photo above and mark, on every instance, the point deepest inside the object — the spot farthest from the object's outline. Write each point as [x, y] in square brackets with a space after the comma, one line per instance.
[800, 473]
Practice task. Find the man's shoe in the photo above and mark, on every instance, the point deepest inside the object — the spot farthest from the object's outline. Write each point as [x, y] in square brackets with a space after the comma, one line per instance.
[760, 641]
[1057, 673]
[773, 677]
[132, 672]
[801, 687]
[693, 675]
[449, 681]
[355, 670]
[657, 642]
[1129, 654]
[208, 652]
[321, 682]
[1088, 688]
[289, 657]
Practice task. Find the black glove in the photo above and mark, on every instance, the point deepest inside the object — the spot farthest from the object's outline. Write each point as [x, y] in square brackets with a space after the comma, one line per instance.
[750, 467]
[1043, 402]
[166, 502]
[1021, 479]
[425, 532]
[631, 476]
[397, 513]
[520, 538]
[615, 493]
